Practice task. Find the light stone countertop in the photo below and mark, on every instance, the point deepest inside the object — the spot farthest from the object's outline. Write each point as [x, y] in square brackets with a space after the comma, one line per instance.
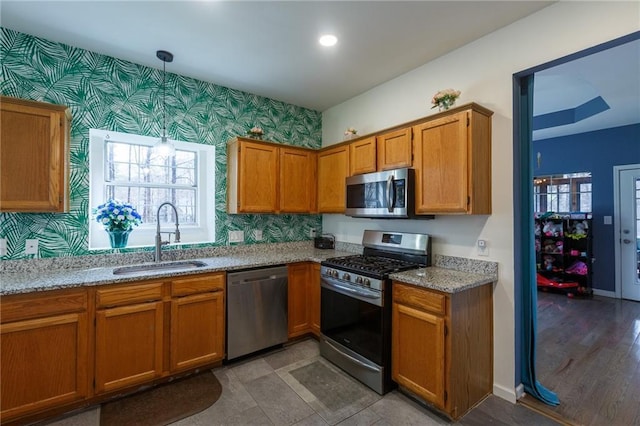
[445, 280]
[449, 274]
[25, 281]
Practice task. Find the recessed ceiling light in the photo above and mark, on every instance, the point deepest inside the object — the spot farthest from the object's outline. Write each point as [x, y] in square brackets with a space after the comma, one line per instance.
[328, 40]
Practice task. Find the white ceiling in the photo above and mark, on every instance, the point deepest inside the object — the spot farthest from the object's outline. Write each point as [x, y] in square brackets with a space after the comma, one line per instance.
[270, 48]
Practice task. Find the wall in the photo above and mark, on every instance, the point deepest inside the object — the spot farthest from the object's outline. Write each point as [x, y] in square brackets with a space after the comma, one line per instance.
[483, 70]
[595, 152]
[111, 94]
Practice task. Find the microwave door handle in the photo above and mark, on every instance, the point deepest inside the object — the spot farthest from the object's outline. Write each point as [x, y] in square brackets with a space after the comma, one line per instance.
[391, 196]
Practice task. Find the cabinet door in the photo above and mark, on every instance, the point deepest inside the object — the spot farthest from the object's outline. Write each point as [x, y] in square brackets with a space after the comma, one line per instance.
[313, 294]
[297, 180]
[442, 170]
[333, 169]
[257, 178]
[394, 149]
[297, 289]
[197, 330]
[33, 154]
[128, 345]
[362, 154]
[418, 357]
[43, 363]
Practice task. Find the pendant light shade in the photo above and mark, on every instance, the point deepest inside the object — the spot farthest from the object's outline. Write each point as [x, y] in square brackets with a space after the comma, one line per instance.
[164, 147]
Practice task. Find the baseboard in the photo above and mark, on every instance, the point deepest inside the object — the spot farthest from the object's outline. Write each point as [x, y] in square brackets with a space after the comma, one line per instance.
[519, 391]
[605, 293]
[505, 393]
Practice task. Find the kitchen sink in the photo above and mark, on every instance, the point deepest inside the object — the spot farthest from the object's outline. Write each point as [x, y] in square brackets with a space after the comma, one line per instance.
[159, 267]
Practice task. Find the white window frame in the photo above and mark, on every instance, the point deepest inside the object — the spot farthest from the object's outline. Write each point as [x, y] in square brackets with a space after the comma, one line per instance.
[144, 235]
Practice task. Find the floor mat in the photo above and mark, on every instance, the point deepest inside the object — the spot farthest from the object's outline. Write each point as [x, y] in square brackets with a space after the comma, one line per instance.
[332, 394]
[163, 404]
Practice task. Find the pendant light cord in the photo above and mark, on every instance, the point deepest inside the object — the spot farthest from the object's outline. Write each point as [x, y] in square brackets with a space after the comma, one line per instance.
[165, 57]
[164, 99]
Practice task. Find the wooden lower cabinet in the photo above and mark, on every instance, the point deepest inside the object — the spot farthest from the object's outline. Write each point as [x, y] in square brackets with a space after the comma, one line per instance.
[43, 352]
[197, 322]
[313, 298]
[129, 336]
[53, 357]
[304, 299]
[297, 287]
[442, 345]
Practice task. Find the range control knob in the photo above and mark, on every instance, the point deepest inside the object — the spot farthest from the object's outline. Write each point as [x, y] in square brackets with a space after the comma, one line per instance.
[358, 280]
[367, 282]
[334, 273]
[346, 277]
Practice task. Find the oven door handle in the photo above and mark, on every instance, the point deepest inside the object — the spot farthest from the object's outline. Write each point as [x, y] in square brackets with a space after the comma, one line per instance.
[352, 359]
[366, 294]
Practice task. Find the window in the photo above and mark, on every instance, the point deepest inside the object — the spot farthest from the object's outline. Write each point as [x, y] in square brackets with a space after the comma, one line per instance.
[123, 167]
[562, 193]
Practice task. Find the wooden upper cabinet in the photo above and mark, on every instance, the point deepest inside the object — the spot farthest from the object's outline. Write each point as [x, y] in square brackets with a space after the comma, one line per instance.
[264, 177]
[297, 180]
[453, 163]
[394, 150]
[252, 177]
[333, 169]
[34, 138]
[362, 156]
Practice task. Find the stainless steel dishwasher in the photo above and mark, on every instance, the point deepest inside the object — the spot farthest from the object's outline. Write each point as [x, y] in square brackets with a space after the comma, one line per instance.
[256, 310]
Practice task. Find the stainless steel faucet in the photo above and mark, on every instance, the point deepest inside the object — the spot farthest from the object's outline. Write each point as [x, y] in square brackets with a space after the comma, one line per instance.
[159, 242]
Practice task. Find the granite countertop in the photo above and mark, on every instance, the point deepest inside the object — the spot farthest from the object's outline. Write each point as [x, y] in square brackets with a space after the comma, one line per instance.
[449, 274]
[35, 279]
[445, 280]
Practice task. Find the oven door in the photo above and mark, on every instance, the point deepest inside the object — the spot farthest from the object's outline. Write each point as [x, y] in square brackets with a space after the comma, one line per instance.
[353, 317]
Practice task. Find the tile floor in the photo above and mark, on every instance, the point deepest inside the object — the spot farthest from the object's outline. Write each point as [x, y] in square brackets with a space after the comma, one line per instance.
[267, 390]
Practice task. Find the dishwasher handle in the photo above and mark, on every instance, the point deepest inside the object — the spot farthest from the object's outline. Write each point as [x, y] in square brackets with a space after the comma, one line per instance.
[265, 278]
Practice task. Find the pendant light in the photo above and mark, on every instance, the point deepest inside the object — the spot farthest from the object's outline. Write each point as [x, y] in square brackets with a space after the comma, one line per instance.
[164, 147]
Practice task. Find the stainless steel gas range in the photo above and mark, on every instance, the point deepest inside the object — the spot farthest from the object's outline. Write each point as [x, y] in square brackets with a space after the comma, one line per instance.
[356, 304]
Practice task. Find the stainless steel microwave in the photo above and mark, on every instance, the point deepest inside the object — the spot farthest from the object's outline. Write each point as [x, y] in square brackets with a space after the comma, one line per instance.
[387, 194]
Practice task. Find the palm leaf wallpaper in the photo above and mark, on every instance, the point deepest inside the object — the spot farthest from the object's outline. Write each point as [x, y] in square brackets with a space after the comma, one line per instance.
[112, 94]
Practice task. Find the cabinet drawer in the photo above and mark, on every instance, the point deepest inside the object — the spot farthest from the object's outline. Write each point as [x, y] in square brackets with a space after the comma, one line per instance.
[420, 298]
[34, 305]
[184, 287]
[128, 294]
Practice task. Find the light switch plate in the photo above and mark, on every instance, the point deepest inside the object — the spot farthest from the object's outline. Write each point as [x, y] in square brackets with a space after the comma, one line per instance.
[3, 246]
[31, 246]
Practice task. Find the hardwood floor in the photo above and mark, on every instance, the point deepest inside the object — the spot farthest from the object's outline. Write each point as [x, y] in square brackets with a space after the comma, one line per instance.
[588, 352]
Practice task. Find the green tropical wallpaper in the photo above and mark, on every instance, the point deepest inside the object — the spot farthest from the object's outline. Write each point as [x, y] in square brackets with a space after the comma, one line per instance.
[116, 95]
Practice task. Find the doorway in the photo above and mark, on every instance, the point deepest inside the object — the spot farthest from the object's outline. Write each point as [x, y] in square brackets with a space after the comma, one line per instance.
[526, 298]
[627, 230]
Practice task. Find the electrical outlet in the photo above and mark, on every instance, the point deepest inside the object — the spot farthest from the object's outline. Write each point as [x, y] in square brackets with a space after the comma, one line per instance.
[483, 248]
[31, 246]
[236, 236]
[257, 234]
[312, 233]
[3, 246]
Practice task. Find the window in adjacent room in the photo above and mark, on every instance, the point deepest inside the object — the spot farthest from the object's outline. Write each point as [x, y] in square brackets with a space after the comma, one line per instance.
[564, 193]
[123, 167]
